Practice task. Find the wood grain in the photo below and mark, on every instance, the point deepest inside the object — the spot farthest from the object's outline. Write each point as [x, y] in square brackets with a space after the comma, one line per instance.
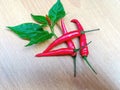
[20, 70]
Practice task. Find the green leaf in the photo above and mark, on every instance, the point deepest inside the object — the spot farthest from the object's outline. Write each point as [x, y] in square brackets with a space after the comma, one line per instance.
[40, 19]
[32, 32]
[56, 12]
[40, 37]
[26, 30]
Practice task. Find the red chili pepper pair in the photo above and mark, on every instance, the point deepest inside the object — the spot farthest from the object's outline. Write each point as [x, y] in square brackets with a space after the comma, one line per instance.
[64, 38]
[67, 37]
[84, 51]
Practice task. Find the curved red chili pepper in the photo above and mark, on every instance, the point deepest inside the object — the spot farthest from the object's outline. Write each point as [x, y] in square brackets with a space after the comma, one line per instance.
[63, 38]
[64, 31]
[84, 51]
[70, 45]
[83, 43]
[58, 52]
[79, 26]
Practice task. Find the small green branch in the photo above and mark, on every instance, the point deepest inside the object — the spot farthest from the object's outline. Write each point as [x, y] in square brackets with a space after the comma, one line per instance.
[52, 30]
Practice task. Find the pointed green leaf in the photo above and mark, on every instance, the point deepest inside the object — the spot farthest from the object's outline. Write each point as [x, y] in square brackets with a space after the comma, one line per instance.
[40, 37]
[31, 31]
[56, 12]
[26, 30]
[40, 19]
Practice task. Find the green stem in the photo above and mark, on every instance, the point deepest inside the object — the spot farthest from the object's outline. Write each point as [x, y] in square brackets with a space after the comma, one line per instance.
[52, 30]
[74, 62]
[83, 32]
[76, 50]
[85, 58]
[86, 45]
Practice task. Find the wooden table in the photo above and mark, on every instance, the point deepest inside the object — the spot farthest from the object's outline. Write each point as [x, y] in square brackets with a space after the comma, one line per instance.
[20, 70]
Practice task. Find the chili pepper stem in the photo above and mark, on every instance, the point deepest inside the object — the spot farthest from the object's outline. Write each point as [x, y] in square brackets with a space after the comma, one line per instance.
[83, 32]
[76, 50]
[74, 62]
[85, 59]
[86, 45]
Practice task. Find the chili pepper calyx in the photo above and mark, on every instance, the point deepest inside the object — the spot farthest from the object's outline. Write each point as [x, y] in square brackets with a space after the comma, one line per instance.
[76, 50]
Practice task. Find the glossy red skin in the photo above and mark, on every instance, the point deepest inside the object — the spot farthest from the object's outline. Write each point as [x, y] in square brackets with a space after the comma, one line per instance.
[63, 38]
[59, 52]
[83, 42]
[64, 31]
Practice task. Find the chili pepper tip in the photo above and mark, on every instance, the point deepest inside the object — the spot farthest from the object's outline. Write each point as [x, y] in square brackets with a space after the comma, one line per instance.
[37, 55]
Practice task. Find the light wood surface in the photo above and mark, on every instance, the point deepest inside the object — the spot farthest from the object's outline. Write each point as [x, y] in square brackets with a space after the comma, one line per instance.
[20, 70]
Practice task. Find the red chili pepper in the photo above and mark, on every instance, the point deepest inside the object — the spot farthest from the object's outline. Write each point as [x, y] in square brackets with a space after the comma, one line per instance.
[70, 45]
[64, 30]
[83, 43]
[59, 52]
[63, 38]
